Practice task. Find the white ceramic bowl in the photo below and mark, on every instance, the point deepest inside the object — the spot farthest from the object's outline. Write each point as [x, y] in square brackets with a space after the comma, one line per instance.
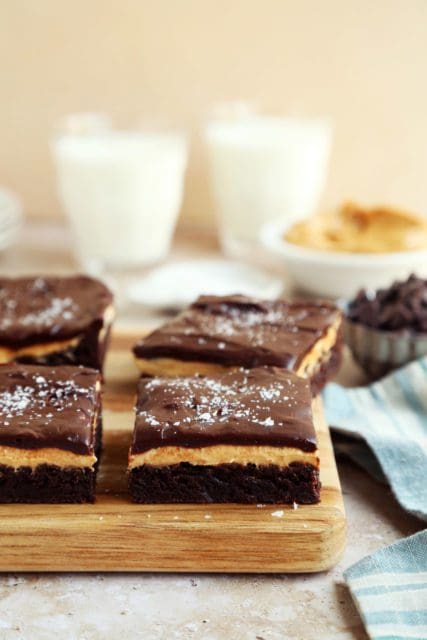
[341, 275]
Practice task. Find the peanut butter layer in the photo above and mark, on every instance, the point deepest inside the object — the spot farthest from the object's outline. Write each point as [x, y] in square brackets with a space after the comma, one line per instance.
[36, 350]
[243, 332]
[49, 309]
[320, 352]
[260, 407]
[18, 457]
[48, 408]
[171, 367]
[223, 454]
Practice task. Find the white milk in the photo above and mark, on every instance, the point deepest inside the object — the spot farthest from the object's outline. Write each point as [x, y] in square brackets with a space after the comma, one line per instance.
[265, 169]
[122, 192]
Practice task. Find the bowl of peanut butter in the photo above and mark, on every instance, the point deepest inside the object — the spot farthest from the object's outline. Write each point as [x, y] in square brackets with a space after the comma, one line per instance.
[334, 254]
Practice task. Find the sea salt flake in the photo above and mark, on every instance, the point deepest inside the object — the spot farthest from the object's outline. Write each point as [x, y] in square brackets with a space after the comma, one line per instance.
[268, 422]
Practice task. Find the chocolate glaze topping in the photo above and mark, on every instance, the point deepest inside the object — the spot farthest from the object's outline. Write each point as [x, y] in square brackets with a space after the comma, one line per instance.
[261, 406]
[48, 407]
[241, 331]
[37, 310]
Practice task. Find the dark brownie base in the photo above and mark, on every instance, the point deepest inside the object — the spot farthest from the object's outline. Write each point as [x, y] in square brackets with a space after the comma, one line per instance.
[327, 370]
[88, 352]
[186, 483]
[47, 483]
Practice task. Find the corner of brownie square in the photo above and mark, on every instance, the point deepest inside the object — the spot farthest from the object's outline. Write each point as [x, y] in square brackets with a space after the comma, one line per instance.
[55, 320]
[241, 436]
[50, 433]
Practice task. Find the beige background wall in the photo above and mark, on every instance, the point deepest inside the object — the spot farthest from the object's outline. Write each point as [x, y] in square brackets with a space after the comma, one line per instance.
[363, 62]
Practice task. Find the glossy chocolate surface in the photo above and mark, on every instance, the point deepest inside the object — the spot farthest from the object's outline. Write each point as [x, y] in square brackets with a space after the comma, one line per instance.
[235, 330]
[261, 406]
[37, 310]
[48, 407]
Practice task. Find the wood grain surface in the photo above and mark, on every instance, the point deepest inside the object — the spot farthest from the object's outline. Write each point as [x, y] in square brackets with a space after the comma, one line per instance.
[115, 535]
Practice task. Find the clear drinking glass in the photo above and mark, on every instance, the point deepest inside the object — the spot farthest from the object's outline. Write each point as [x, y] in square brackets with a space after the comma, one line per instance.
[121, 190]
[265, 169]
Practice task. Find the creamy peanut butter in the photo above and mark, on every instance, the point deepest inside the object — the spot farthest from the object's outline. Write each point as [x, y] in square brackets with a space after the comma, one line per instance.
[320, 352]
[37, 350]
[224, 454]
[171, 367]
[18, 457]
[355, 229]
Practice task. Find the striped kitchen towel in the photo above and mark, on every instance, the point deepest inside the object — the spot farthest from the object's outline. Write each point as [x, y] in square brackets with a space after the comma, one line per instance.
[391, 416]
[390, 590]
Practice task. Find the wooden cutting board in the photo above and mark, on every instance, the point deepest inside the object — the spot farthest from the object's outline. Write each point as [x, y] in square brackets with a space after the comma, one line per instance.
[115, 535]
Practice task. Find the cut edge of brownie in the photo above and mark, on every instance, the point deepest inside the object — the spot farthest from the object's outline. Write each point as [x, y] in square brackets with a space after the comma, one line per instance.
[225, 483]
[89, 351]
[47, 483]
[327, 369]
[51, 484]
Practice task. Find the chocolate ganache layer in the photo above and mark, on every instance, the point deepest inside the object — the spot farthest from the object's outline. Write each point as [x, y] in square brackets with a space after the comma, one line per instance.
[261, 406]
[42, 309]
[49, 407]
[240, 331]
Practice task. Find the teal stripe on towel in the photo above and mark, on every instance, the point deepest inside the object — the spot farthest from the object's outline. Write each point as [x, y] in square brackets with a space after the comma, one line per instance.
[390, 589]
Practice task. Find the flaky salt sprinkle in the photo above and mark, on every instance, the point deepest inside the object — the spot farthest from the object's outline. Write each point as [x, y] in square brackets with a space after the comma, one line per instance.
[268, 422]
[211, 400]
[56, 308]
[15, 402]
[20, 399]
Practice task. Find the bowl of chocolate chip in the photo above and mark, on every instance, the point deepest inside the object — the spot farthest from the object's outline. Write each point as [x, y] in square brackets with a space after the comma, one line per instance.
[387, 328]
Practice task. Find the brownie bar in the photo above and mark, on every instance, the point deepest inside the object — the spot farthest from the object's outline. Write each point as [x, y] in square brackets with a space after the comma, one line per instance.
[53, 321]
[217, 333]
[241, 436]
[50, 436]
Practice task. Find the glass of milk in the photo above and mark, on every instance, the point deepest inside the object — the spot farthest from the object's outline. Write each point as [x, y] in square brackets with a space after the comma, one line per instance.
[121, 190]
[265, 169]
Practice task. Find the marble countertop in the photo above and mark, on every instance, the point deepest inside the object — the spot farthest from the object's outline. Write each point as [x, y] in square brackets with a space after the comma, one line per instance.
[212, 607]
